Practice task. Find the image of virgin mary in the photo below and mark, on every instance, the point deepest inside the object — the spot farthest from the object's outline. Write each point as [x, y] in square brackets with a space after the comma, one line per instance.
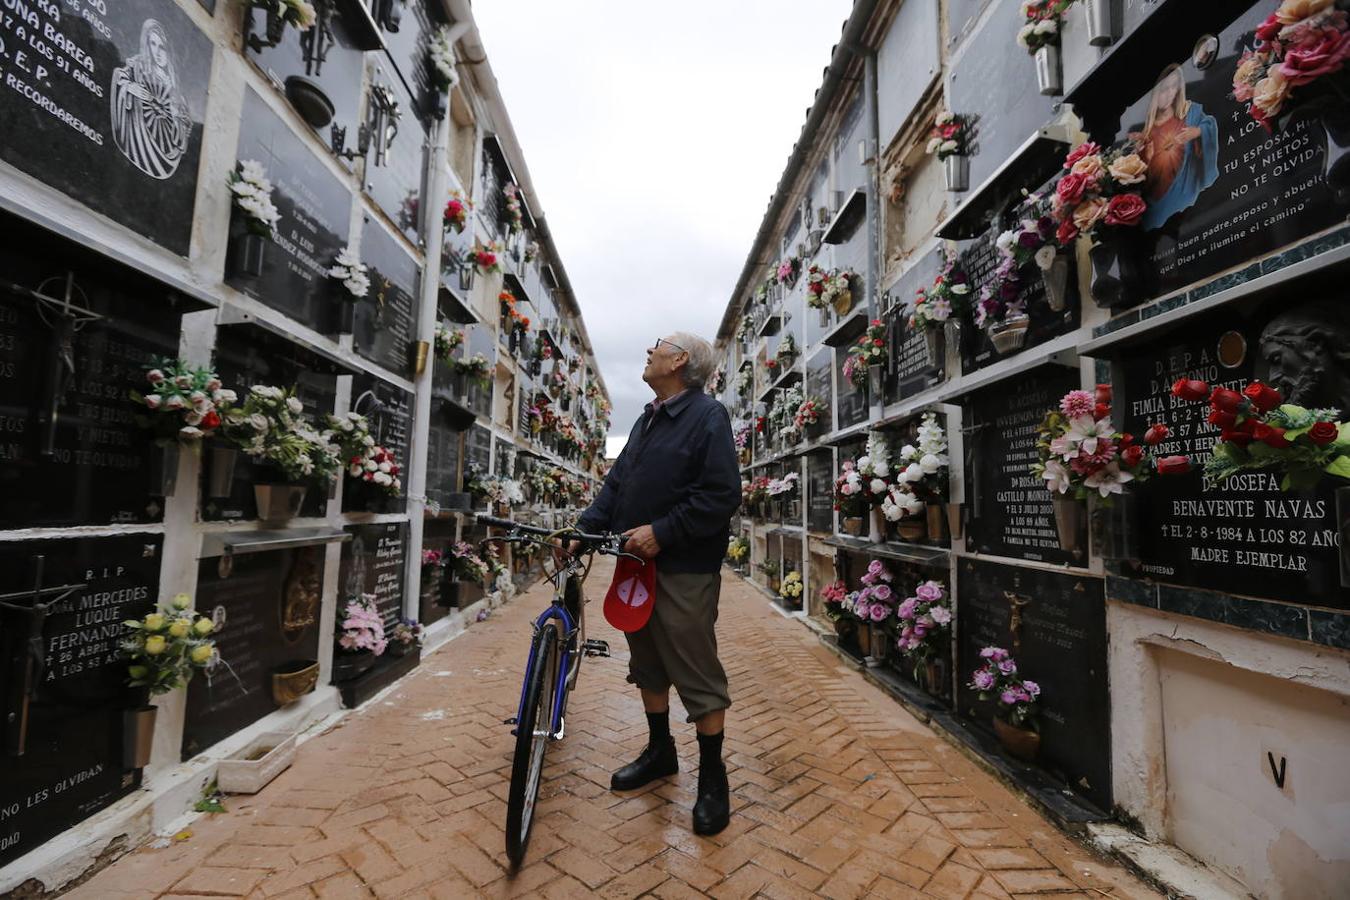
[150, 118]
[1180, 143]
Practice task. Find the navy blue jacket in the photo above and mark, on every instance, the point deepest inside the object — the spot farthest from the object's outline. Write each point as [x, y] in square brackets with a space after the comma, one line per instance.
[680, 476]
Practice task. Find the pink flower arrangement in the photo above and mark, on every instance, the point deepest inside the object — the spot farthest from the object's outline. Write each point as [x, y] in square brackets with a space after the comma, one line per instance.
[923, 618]
[362, 627]
[875, 602]
[1100, 191]
[1081, 451]
[467, 564]
[432, 559]
[788, 269]
[997, 679]
[1302, 42]
[808, 413]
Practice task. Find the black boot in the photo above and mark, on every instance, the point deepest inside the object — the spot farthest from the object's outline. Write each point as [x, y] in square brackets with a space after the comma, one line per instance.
[712, 810]
[657, 761]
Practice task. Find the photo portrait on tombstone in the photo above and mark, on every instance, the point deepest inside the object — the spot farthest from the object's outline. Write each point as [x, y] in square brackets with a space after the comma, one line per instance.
[1180, 143]
[150, 117]
[1305, 352]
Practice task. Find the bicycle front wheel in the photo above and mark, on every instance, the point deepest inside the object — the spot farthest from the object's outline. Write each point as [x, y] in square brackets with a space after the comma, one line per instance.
[532, 733]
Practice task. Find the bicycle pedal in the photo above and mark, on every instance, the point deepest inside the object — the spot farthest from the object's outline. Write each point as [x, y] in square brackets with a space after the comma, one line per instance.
[596, 648]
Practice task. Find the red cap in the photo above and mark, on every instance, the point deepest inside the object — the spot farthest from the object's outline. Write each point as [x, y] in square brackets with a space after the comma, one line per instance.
[628, 604]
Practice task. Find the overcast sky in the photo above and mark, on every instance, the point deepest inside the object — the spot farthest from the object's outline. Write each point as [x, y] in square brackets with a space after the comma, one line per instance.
[655, 134]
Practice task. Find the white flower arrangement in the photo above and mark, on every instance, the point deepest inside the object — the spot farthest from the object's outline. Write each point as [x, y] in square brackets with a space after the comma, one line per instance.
[925, 466]
[253, 198]
[443, 60]
[271, 427]
[353, 274]
[899, 503]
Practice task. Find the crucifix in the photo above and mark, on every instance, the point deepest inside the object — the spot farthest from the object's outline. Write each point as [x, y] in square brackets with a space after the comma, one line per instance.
[1015, 603]
[26, 655]
[66, 318]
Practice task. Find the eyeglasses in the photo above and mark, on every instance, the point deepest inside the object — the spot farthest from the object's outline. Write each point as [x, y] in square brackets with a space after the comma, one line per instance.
[660, 341]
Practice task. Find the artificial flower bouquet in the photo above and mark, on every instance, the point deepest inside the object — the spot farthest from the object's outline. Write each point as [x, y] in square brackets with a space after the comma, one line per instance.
[252, 193]
[808, 413]
[433, 559]
[1082, 453]
[531, 251]
[442, 52]
[998, 680]
[850, 492]
[787, 351]
[755, 493]
[515, 216]
[165, 648]
[365, 460]
[835, 597]
[467, 565]
[788, 270]
[185, 403]
[447, 340]
[456, 213]
[924, 464]
[738, 549]
[1100, 195]
[900, 502]
[1259, 431]
[476, 367]
[792, 587]
[784, 488]
[951, 135]
[362, 627]
[407, 634]
[1299, 47]
[1029, 241]
[948, 298]
[874, 466]
[924, 620]
[823, 287]
[487, 257]
[869, 350]
[271, 426]
[352, 273]
[1043, 20]
[875, 601]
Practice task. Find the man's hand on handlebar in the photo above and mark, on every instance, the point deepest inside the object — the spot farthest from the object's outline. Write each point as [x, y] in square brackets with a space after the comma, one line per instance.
[642, 542]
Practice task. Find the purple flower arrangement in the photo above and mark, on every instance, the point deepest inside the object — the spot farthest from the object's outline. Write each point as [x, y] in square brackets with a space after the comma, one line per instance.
[362, 627]
[924, 619]
[875, 602]
[998, 680]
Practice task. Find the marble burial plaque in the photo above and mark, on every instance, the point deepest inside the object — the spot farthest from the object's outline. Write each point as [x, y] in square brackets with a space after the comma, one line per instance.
[995, 81]
[478, 452]
[1054, 625]
[913, 369]
[851, 403]
[373, 563]
[820, 491]
[409, 51]
[389, 411]
[242, 361]
[386, 316]
[443, 456]
[105, 103]
[818, 371]
[97, 467]
[1012, 513]
[393, 170]
[315, 211]
[267, 611]
[71, 765]
[1245, 536]
[1222, 189]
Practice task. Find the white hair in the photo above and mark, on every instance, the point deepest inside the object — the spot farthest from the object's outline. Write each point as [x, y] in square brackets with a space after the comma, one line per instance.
[699, 368]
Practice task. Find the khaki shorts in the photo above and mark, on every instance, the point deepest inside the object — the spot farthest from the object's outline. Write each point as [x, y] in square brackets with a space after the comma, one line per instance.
[678, 645]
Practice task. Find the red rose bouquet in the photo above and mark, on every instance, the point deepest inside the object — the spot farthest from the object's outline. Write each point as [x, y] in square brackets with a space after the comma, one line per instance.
[1300, 44]
[951, 135]
[487, 258]
[1259, 431]
[1100, 193]
[1044, 19]
[870, 350]
[456, 213]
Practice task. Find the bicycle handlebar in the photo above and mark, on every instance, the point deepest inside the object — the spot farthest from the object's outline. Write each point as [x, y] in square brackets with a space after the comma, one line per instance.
[598, 542]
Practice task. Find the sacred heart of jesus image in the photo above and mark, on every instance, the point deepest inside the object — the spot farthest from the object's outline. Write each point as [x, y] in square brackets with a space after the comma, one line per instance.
[631, 596]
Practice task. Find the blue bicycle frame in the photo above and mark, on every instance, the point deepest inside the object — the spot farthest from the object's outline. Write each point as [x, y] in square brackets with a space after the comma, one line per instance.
[564, 665]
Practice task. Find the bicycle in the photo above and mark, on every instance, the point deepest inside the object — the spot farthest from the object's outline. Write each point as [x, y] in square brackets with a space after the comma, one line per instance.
[556, 649]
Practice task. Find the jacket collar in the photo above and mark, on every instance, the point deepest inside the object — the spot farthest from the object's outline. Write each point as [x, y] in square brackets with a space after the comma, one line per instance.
[676, 404]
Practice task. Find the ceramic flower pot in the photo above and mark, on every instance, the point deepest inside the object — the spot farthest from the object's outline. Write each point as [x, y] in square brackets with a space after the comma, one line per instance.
[278, 503]
[1117, 280]
[912, 529]
[138, 736]
[293, 680]
[956, 170]
[852, 525]
[348, 666]
[1069, 515]
[936, 340]
[1010, 335]
[1049, 77]
[248, 251]
[1056, 279]
[163, 459]
[1023, 743]
[1100, 22]
[936, 520]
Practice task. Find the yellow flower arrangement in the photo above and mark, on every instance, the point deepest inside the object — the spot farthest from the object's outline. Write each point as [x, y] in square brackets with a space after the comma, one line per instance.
[791, 588]
[165, 648]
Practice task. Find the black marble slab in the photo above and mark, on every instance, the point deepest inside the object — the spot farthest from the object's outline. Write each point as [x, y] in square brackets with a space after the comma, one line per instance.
[386, 318]
[374, 562]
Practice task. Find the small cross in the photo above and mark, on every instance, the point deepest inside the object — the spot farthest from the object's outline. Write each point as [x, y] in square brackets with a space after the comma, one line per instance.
[1015, 603]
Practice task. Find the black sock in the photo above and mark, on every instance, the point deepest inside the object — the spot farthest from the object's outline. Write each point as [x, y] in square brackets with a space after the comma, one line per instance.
[659, 726]
[710, 750]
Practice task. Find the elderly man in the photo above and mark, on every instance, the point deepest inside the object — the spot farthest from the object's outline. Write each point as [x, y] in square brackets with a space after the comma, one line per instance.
[672, 492]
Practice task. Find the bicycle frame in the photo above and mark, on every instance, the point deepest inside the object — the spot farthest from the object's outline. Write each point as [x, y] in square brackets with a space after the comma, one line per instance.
[571, 629]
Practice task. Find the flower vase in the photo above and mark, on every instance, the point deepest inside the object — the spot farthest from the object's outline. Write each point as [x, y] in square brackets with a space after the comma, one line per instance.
[912, 529]
[864, 635]
[936, 339]
[247, 254]
[933, 678]
[138, 736]
[936, 516]
[955, 521]
[875, 383]
[1117, 281]
[1336, 122]
[163, 460]
[843, 302]
[852, 525]
[1101, 27]
[1056, 280]
[1049, 76]
[956, 170]
[1022, 743]
[951, 334]
[824, 312]
[346, 314]
[774, 584]
[1343, 530]
[1114, 534]
[743, 455]
[846, 630]
[349, 666]
[278, 503]
[1069, 514]
[220, 480]
[879, 643]
[1010, 335]
[294, 680]
[876, 526]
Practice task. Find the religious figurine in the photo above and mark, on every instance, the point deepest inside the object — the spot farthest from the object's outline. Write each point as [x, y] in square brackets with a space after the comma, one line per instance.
[150, 117]
[302, 595]
[1307, 352]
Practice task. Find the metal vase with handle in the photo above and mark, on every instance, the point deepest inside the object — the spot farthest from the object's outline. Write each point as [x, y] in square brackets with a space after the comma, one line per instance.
[1049, 77]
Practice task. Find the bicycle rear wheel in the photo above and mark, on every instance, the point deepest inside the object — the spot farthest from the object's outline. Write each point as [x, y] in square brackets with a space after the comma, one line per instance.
[532, 733]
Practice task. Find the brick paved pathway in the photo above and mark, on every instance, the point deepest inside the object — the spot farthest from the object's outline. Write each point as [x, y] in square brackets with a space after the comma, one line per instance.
[837, 792]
